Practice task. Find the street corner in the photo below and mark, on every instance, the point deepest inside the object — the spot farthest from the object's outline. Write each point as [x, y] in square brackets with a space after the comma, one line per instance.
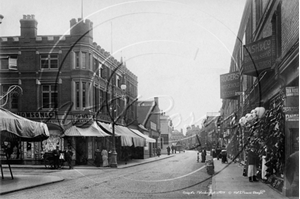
[21, 182]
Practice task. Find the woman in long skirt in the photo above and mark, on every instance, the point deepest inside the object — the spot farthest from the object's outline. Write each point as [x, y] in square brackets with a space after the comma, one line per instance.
[97, 157]
[252, 162]
[104, 157]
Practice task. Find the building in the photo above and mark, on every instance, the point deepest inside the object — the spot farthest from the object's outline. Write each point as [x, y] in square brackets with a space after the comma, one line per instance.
[264, 72]
[66, 80]
[148, 117]
[191, 140]
[178, 140]
[166, 129]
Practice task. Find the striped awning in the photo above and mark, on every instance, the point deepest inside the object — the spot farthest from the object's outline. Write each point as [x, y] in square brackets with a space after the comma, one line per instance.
[92, 131]
[128, 138]
[148, 139]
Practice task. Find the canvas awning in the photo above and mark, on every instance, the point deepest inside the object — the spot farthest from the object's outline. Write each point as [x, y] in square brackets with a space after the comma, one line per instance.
[148, 139]
[13, 126]
[128, 138]
[92, 131]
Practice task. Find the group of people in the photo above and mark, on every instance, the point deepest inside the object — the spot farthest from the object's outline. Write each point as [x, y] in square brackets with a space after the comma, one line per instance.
[173, 148]
[59, 157]
[101, 155]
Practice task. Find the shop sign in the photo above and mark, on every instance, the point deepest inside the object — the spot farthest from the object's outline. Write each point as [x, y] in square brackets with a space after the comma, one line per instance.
[290, 109]
[82, 117]
[153, 126]
[229, 85]
[258, 56]
[37, 115]
[292, 117]
[292, 91]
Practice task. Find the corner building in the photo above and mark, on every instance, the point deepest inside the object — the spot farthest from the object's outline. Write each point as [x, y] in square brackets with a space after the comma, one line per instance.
[65, 81]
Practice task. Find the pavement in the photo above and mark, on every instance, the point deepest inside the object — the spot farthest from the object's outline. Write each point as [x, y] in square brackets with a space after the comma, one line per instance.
[228, 182]
[21, 182]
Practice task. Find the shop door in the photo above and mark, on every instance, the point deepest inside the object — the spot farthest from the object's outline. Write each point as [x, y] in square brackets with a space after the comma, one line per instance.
[81, 151]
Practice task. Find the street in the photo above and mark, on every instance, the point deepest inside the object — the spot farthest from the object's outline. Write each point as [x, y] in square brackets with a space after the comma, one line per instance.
[176, 177]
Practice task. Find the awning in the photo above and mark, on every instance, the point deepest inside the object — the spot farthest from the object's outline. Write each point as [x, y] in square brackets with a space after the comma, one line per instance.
[92, 131]
[13, 126]
[125, 132]
[128, 138]
[148, 139]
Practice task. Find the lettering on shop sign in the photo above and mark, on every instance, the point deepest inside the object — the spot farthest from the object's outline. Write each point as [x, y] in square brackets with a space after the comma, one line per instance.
[258, 56]
[292, 91]
[292, 117]
[37, 115]
[229, 85]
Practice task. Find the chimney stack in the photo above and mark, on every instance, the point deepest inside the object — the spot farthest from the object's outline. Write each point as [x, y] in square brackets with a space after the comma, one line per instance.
[28, 26]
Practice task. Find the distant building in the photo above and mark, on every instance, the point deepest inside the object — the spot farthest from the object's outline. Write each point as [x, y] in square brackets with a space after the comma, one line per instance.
[148, 117]
[166, 130]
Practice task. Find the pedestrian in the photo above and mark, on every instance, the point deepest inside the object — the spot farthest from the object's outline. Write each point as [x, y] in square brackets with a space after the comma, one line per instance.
[292, 172]
[104, 154]
[252, 164]
[203, 155]
[224, 156]
[168, 150]
[158, 151]
[97, 156]
[198, 156]
[263, 166]
[55, 153]
[68, 157]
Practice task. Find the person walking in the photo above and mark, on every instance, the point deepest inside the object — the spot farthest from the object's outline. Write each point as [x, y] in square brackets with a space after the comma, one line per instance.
[104, 154]
[158, 151]
[68, 157]
[252, 163]
[203, 155]
[168, 150]
[56, 157]
[172, 147]
[97, 155]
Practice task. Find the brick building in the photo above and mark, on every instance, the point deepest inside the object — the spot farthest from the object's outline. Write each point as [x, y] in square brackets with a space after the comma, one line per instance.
[66, 80]
[264, 72]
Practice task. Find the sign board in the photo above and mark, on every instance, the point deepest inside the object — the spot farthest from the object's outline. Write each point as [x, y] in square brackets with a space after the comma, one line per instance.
[229, 85]
[258, 56]
[292, 117]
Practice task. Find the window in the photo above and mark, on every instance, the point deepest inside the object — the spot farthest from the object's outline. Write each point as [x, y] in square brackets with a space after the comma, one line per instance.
[83, 94]
[8, 62]
[49, 61]
[77, 95]
[49, 96]
[83, 60]
[11, 101]
[77, 59]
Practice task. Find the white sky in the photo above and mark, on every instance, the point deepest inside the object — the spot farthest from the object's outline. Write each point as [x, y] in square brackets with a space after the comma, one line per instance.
[177, 48]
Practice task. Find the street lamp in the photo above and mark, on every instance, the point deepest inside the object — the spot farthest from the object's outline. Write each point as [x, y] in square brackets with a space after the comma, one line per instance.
[114, 163]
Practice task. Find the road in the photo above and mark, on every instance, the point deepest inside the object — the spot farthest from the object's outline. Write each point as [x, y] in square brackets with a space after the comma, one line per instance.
[176, 177]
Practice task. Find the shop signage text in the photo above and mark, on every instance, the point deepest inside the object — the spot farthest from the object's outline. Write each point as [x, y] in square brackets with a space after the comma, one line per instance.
[37, 115]
[258, 56]
[292, 117]
[229, 85]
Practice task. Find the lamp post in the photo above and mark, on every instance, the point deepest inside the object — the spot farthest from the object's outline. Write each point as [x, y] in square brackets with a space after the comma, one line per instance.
[114, 163]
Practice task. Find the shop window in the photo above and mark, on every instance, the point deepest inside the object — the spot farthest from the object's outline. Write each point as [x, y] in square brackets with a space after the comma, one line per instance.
[49, 61]
[49, 96]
